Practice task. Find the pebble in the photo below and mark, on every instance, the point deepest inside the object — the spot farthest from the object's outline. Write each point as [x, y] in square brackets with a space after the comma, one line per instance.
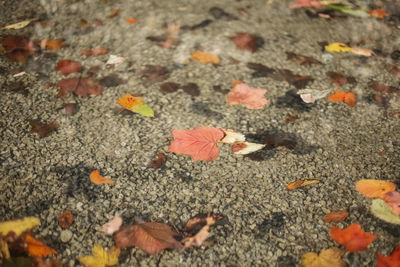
[65, 236]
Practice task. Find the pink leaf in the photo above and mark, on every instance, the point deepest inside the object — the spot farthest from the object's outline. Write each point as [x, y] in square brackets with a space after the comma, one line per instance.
[244, 94]
[393, 200]
[67, 66]
[112, 226]
[305, 3]
[200, 143]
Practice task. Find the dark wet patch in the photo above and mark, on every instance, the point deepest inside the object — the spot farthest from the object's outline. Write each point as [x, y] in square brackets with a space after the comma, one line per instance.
[218, 88]
[191, 89]
[18, 87]
[203, 109]
[340, 79]
[260, 70]
[111, 80]
[154, 73]
[169, 87]
[275, 220]
[286, 261]
[301, 59]
[292, 100]
[219, 13]
[395, 55]
[43, 129]
[197, 26]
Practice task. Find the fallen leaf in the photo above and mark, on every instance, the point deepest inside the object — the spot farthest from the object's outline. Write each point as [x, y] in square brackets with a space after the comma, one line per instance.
[113, 13]
[37, 248]
[301, 59]
[378, 13]
[393, 260]
[135, 104]
[393, 200]
[70, 108]
[18, 226]
[43, 129]
[111, 80]
[17, 48]
[154, 73]
[114, 60]
[130, 21]
[382, 210]
[362, 51]
[245, 41]
[305, 3]
[52, 44]
[200, 143]
[158, 162]
[80, 86]
[18, 25]
[94, 52]
[97, 179]
[337, 48]
[297, 81]
[310, 95]
[353, 237]
[260, 70]
[112, 226]
[151, 237]
[301, 183]
[204, 57]
[338, 78]
[169, 87]
[232, 136]
[244, 148]
[67, 66]
[382, 88]
[171, 34]
[394, 70]
[4, 251]
[199, 238]
[291, 118]
[101, 257]
[249, 97]
[374, 188]
[340, 96]
[66, 219]
[336, 216]
[331, 257]
[191, 89]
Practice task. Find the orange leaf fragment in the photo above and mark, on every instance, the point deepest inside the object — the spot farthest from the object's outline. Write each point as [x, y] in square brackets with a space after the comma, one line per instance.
[393, 260]
[67, 66]
[340, 96]
[53, 44]
[374, 188]
[300, 183]
[204, 57]
[353, 237]
[131, 21]
[336, 216]
[37, 248]
[379, 13]
[97, 179]
[128, 101]
[113, 13]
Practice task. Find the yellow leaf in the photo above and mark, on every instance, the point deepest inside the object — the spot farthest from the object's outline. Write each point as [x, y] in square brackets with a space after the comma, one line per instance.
[326, 258]
[18, 25]
[204, 57]
[101, 257]
[337, 48]
[18, 226]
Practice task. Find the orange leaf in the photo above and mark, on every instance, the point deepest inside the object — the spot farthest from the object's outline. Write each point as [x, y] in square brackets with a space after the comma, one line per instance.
[204, 57]
[340, 96]
[67, 66]
[37, 248]
[353, 238]
[128, 101]
[97, 179]
[131, 21]
[200, 143]
[374, 188]
[390, 261]
[113, 13]
[300, 183]
[249, 97]
[54, 44]
[378, 13]
[336, 216]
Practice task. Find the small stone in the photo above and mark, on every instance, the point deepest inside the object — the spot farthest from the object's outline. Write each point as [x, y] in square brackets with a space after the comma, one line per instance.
[65, 236]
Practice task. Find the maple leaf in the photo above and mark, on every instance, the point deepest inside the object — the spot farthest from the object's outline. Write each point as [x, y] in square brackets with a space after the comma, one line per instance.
[67, 66]
[151, 237]
[353, 238]
[393, 260]
[326, 258]
[101, 257]
[393, 200]
[135, 104]
[200, 143]
[37, 248]
[250, 97]
[374, 188]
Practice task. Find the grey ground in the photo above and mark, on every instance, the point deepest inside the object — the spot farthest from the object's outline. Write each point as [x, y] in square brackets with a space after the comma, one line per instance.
[267, 225]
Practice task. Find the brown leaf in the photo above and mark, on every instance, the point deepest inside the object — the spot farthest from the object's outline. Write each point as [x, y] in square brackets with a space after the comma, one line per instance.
[54, 44]
[94, 52]
[169, 87]
[191, 89]
[260, 70]
[383, 88]
[301, 59]
[43, 129]
[66, 219]
[394, 70]
[245, 41]
[336, 216]
[17, 48]
[291, 118]
[157, 163]
[70, 108]
[338, 78]
[151, 237]
[199, 238]
[154, 73]
[113, 13]
[67, 66]
[111, 80]
[79, 86]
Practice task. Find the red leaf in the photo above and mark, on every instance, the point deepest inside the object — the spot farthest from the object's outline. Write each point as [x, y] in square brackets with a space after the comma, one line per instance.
[80, 86]
[390, 261]
[393, 200]
[66, 219]
[245, 41]
[200, 143]
[67, 66]
[250, 97]
[151, 237]
[305, 3]
[17, 48]
[43, 129]
[353, 238]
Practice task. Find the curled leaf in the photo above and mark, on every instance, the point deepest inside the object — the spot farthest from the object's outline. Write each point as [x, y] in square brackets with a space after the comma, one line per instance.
[244, 148]
[300, 183]
[310, 95]
[231, 136]
[97, 179]
[393, 200]
[112, 226]
[353, 237]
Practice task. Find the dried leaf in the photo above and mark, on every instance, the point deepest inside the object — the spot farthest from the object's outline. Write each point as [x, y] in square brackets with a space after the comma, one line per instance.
[54, 44]
[336, 216]
[327, 258]
[260, 70]
[204, 57]
[310, 95]
[43, 129]
[70, 108]
[131, 21]
[37, 248]
[338, 78]
[245, 41]
[97, 179]
[171, 34]
[249, 97]
[199, 238]
[67, 66]
[305, 3]
[114, 60]
[157, 163]
[292, 118]
[112, 226]
[4, 251]
[155, 73]
[382, 210]
[244, 148]
[374, 188]
[383, 88]
[200, 143]
[151, 237]
[301, 183]
[353, 238]
[169, 87]
[80, 86]
[394, 70]
[378, 13]
[135, 104]
[393, 260]
[337, 48]
[232, 136]
[18, 25]
[66, 219]
[101, 257]
[94, 52]
[113, 13]
[362, 51]
[301, 59]
[340, 96]
[17, 48]
[393, 200]
[18, 226]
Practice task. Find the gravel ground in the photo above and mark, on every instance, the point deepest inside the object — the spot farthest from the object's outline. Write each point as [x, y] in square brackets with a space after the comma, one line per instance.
[266, 225]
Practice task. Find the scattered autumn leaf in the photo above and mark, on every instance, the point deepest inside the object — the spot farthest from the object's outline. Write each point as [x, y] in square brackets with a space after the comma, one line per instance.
[232, 136]
[244, 148]
[17, 48]
[52, 44]
[199, 238]
[291, 118]
[245, 41]
[204, 57]
[200, 143]
[380, 209]
[151, 237]
[331, 257]
[336, 216]
[374, 188]
[70, 108]
[43, 129]
[301, 59]
[250, 97]
[158, 162]
[97, 179]
[362, 51]
[112, 226]
[66, 219]
[113, 13]
[94, 52]
[337, 48]
[80, 86]
[131, 21]
[393, 260]
[101, 257]
[114, 60]
[301, 183]
[37, 248]
[135, 104]
[169, 87]
[378, 13]
[338, 78]
[353, 237]
[393, 200]
[382, 88]
[18, 226]
[154, 73]
[340, 96]
[394, 70]
[67, 66]
[310, 95]
[305, 3]
[18, 25]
